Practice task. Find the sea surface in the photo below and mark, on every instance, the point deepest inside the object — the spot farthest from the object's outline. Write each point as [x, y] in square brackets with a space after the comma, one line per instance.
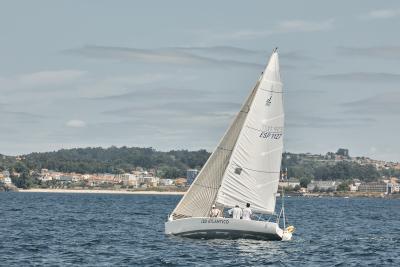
[54, 229]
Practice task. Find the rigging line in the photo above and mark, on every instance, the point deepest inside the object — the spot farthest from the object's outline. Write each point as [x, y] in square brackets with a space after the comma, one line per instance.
[272, 91]
[223, 148]
[273, 150]
[262, 130]
[276, 117]
[252, 169]
[205, 186]
[271, 81]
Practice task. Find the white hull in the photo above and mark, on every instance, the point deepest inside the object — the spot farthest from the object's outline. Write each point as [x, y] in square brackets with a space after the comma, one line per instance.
[203, 227]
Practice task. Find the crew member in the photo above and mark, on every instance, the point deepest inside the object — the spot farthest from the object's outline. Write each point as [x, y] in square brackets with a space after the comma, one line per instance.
[215, 212]
[247, 212]
[236, 212]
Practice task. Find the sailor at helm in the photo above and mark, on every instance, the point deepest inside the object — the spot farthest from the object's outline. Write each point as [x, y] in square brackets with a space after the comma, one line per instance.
[236, 212]
[215, 212]
[247, 212]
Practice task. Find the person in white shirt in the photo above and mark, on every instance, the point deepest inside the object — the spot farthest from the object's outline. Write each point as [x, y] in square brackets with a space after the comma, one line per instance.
[215, 212]
[236, 212]
[247, 212]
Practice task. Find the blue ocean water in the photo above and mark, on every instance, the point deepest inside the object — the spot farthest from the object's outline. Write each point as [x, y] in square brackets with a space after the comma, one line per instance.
[126, 230]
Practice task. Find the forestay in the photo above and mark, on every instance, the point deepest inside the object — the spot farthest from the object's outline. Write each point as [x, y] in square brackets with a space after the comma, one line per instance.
[252, 174]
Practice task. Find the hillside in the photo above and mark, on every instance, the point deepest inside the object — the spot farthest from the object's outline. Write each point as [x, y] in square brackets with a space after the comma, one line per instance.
[174, 163]
[110, 160]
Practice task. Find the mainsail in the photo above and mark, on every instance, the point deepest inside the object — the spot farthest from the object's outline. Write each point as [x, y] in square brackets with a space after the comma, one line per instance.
[245, 165]
[253, 171]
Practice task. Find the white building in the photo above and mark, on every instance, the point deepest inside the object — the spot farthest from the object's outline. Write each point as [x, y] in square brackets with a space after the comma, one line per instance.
[354, 186]
[45, 178]
[322, 185]
[166, 182]
[5, 178]
[291, 182]
[149, 180]
[129, 179]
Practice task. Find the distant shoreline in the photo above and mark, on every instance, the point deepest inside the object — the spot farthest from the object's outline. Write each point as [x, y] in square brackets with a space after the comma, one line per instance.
[100, 191]
[180, 193]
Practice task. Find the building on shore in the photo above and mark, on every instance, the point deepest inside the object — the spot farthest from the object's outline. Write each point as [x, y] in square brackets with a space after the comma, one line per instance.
[5, 178]
[322, 186]
[128, 179]
[180, 182]
[166, 182]
[353, 187]
[291, 182]
[380, 187]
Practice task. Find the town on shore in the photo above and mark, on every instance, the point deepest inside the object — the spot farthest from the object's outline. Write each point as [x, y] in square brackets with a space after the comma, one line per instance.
[356, 176]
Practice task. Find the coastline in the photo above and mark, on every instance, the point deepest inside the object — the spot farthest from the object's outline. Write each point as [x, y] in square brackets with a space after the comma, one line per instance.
[181, 193]
[100, 191]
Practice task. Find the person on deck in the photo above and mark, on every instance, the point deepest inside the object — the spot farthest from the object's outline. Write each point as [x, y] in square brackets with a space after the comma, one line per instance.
[236, 212]
[215, 212]
[247, 212]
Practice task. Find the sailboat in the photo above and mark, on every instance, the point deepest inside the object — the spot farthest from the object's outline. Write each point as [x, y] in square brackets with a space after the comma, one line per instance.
[244, 168]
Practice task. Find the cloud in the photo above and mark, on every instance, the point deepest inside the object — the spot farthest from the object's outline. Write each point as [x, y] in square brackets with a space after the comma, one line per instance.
[304, 121]
[171, 109]
[381, 104]
[381, 14]
[75, 124]
[162, 56]
[225, 50]
[40, 79]
[50, 77]
[304, 26]
[360, 77]
[153, 94]
[389, 52]
[9, 117]
[282, 27]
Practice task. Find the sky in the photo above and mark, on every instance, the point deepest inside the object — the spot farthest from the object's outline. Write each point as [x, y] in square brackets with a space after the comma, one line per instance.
[173, 74]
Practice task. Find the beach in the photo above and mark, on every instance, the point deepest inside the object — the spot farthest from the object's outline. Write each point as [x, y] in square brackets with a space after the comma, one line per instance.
[99, 191]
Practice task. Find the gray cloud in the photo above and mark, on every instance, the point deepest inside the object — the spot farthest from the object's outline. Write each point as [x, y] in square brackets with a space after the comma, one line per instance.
[381, 104]
[387, 52]
[304, 121]
[153, 94]
[281, 27]
[42, 80]
[232, 51]
[163, 55]
[360, 77]
[382, 14]
[19, 117]
[304, 26]
[225, 50]
[178, 109]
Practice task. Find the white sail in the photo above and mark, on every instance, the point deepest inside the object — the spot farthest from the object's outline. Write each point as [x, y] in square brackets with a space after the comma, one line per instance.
[202, 193]
[253, 171]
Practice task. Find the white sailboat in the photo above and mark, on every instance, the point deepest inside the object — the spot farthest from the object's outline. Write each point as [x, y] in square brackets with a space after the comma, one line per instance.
[244, 168]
